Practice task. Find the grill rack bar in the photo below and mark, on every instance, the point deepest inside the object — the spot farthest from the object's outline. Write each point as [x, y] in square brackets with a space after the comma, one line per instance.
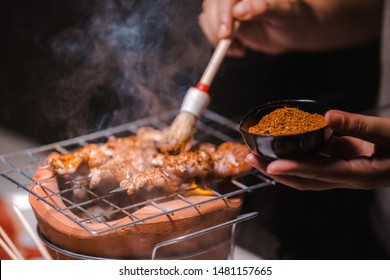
[18, 169]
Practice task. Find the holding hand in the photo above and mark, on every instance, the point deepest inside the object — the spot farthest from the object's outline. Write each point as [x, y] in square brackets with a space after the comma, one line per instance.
[358, 160]
[278, 26]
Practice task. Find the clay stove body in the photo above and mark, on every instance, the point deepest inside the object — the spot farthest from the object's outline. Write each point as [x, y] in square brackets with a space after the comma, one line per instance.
[134, 234]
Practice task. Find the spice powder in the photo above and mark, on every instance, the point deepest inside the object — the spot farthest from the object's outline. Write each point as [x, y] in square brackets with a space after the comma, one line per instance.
[288, 121]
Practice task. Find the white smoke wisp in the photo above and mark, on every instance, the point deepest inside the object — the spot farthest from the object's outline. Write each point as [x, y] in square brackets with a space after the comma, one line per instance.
[130, 59]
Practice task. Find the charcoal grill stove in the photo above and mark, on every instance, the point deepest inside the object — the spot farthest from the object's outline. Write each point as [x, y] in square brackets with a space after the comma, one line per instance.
[20, 167]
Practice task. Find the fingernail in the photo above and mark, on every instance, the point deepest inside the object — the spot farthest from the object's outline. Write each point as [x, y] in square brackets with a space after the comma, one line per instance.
[335, 119]
[272, 171]
[241, 9]
[223, 30]
[250, 157]
[279, 167]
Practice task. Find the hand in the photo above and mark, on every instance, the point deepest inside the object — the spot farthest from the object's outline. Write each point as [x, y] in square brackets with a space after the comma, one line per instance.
[278, 26]
[358, 160]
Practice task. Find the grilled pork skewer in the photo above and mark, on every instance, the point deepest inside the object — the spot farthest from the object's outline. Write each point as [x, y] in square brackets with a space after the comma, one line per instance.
[199, 166]
[134, 163]
[97, 155]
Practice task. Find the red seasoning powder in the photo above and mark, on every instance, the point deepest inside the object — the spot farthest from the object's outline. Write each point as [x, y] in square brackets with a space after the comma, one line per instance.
[288, 121]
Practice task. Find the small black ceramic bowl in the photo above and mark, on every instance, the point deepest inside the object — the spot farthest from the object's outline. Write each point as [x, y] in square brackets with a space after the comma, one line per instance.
[285, 146]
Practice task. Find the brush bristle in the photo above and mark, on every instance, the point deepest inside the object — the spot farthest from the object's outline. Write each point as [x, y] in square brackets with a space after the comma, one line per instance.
[180, 132]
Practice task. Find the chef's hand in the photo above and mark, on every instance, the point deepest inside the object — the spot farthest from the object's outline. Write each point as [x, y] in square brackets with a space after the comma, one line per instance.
[279, 26]
[358, 160]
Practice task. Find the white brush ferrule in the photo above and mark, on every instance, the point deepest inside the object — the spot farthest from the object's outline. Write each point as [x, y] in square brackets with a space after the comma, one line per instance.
[195, 101]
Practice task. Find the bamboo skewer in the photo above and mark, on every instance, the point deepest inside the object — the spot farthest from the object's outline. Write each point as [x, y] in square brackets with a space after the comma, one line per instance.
[9, 246]
[45, 254]
[8, 250]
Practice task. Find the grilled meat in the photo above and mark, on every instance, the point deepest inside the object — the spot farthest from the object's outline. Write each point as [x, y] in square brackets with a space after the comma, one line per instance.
[135, 163]
[187, 167]
[95, 156]
[123, 166]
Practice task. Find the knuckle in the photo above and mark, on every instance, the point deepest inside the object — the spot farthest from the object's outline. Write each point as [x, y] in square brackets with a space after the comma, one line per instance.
[359, 126]
[205, 4]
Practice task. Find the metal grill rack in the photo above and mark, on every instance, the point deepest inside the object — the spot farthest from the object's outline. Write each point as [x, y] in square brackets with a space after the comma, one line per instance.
[19, 168]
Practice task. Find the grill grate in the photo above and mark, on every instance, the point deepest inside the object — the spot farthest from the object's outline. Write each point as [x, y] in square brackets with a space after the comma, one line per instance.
[19, 168]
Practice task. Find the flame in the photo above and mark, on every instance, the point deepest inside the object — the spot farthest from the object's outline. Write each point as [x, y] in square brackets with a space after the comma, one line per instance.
[195, 189]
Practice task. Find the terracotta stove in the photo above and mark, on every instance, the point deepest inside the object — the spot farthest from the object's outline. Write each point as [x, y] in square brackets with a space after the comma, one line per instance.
[77, 223]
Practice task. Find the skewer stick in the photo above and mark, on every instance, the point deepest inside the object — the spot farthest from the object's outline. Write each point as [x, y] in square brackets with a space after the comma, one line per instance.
[8, 250]
[45, 254]
[11, 245]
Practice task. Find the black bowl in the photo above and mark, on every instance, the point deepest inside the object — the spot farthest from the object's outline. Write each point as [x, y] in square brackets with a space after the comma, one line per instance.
[286, 146]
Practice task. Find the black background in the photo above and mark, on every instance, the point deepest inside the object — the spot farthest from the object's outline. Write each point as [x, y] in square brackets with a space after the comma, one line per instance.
[291, 224]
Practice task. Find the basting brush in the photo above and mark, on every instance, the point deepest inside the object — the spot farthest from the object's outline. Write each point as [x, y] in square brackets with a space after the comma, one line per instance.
[195, 101]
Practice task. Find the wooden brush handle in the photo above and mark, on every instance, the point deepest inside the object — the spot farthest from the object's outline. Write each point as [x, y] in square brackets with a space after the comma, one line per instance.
[217, 58]
[215, 61]
[197, 98]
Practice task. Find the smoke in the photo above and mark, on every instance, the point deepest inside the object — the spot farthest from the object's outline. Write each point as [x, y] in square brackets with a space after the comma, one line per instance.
[123, 61]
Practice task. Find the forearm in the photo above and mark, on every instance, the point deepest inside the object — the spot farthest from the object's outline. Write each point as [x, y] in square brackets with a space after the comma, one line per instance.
[279, 26]
[348, 22]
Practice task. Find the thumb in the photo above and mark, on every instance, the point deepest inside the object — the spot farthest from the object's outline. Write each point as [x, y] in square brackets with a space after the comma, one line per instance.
[373, 129]
[248, 9]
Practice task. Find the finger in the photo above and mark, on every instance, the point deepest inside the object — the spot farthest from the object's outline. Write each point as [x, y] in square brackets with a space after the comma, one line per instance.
[236, 49]
[208, 20]
[216, 19]
[257, 162]
[292, 181]
[347, 147]
[225, 18]
[248, 9]
[262, 42]
[362, 172]
[373, 129]
[311, 174]
[300, 183]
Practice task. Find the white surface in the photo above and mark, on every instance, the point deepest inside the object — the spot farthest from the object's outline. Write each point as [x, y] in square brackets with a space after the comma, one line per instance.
[11, 141]
[242, 254]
